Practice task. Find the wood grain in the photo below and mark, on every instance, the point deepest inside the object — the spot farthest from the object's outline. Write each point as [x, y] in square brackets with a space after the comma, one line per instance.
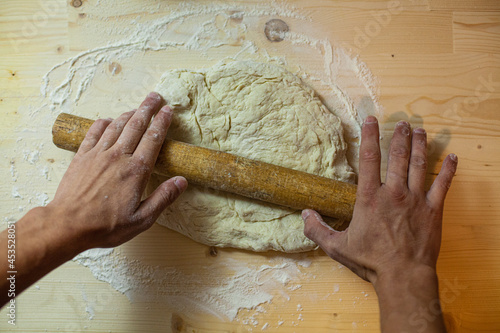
[476, 32]
[428, 60]
[463, 5]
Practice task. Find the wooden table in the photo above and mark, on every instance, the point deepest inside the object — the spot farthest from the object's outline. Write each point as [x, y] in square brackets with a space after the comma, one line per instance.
[438, 66]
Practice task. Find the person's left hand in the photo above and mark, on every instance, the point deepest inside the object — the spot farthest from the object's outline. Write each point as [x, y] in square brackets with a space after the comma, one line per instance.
[99, 200]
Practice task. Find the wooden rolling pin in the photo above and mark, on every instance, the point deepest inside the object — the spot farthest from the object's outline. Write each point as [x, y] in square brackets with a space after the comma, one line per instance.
[234, 174]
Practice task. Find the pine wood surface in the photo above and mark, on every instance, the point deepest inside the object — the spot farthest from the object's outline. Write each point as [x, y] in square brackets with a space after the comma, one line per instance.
[438, 66]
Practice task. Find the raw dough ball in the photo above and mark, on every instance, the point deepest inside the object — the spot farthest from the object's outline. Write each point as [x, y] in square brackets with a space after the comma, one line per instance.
[262, 112]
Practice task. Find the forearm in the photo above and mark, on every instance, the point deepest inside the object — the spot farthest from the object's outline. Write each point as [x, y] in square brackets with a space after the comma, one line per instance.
[42, 242]
[409, 301]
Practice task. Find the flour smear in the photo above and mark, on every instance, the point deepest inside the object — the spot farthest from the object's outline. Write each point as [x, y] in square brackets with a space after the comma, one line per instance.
[210, 32]
[233, 284]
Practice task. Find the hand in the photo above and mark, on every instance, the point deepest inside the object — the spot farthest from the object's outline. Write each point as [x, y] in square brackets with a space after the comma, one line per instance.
[395, 225]
[394, 237]
[99, 198]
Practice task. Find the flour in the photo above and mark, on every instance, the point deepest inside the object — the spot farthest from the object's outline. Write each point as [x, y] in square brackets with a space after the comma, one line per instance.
[15, 192]
[13, 170]
[42, 199]
[31, 156]
[66, 84]
[89, 309]
[147, 37]
[221, 289]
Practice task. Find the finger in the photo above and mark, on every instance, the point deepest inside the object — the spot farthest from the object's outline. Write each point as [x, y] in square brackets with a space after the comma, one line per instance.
[418, 161]
[399, 153]
[151, 142]
[369, 157]
[137, 125]
[161, 198]
[442, 183]
[319, 232]
[114, 130]
[93, 135]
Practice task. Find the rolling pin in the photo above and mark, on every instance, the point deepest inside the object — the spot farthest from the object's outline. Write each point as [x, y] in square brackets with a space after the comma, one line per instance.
[226, 172]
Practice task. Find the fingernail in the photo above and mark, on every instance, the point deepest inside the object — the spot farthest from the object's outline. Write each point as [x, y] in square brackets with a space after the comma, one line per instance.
[419, 130]
[305, 214]
[180, 183]
[405, 127]
[454, 157]
[370, 120]
[110, 119]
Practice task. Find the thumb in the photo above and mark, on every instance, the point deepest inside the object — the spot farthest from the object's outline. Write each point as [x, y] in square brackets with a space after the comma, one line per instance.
[161, 198]
[321, 233]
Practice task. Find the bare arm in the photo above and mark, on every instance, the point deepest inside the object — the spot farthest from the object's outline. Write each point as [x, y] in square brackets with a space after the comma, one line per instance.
[394, 237]
[98, 203]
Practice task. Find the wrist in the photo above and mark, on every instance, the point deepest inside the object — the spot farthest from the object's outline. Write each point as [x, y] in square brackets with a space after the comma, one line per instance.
[405, 276]
[409, 298]
[41, 245]
[397, 290]
[59, 229]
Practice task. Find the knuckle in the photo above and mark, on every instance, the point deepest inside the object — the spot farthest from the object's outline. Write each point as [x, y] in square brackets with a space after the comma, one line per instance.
[139, 166]
[399, 151]
[114, 154]
[368, 191]
[119, 124]
[169, 196]
[154, 135]
[124, 117]
[137, 123]
[368, 203]
[399, 194]
[419, 161]
[90, 138]
[371, 155]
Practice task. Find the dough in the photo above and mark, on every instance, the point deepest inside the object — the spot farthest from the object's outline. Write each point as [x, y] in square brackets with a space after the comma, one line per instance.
[263, 112]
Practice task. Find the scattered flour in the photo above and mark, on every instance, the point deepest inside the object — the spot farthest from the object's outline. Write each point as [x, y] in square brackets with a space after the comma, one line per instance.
[89, 309]
[226, 296]
[221, 289]
[204, 28]
[15, 192]
[13, 170]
